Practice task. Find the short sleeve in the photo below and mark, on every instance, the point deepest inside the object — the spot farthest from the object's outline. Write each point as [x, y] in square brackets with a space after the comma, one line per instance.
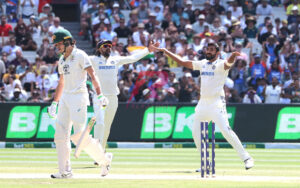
[197, 65]
[60, 71]
[85, 61]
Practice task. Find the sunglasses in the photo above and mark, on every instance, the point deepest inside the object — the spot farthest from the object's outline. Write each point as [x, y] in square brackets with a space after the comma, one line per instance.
[106, 46]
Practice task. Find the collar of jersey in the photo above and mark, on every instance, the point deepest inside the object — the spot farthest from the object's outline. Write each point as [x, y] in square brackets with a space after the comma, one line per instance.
[72, 53]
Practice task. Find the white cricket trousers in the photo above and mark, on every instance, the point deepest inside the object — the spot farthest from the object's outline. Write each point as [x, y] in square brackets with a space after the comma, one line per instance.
[214, 109]
[72, 109]
[104, 118]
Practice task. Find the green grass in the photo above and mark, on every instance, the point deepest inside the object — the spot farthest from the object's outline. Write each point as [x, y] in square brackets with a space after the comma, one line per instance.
[177, 163]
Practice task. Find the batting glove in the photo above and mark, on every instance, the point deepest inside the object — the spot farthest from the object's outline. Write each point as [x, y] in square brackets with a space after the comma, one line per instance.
[103, 101]
[52, 110]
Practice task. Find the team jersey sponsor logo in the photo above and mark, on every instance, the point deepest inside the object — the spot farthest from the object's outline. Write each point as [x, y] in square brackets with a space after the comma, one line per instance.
[107, 67]
[205, 73]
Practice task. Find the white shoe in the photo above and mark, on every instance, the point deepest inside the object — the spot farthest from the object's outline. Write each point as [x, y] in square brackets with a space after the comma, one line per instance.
[105, 168]
[249, 163]
[198, 170]
[65, 175]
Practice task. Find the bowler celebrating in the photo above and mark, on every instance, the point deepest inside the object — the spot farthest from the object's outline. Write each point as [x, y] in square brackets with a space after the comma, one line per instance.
[212, 105]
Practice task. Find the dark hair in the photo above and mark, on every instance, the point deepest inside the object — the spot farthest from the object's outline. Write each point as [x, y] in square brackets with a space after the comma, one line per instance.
[215, 45]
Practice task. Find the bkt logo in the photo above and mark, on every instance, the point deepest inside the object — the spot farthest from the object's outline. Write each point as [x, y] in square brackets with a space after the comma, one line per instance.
[165, 122]
[29, 121]
[288, 124]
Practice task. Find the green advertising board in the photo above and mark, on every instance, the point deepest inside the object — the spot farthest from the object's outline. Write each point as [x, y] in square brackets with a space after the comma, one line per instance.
[164, 122]
[288, 124]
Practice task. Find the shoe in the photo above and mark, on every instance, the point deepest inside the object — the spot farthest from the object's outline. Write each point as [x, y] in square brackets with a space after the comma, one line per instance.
[249, 163]
[105, 168]
[96, 164]
[198, 170]
[65, 175]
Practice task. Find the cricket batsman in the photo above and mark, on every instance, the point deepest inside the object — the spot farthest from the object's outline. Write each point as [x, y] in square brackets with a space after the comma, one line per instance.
[72, 99]
[106, 68]
[212, 105]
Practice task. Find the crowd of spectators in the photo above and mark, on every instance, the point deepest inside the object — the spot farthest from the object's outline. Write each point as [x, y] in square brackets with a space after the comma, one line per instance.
[266, 72]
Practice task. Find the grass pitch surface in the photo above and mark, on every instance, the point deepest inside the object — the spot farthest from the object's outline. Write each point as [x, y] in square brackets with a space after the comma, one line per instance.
[152, 168]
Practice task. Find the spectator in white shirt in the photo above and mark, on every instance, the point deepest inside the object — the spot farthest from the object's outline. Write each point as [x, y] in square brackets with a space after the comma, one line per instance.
[272, 92]
[11, 49]
[236, 10]
[141, 37]
[53, 28]
[198, 26]
[109, 34]
[251, 97]
[28, 8]
[264, 9]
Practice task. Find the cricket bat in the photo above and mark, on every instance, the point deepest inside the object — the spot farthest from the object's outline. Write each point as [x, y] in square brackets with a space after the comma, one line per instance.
[84, 135]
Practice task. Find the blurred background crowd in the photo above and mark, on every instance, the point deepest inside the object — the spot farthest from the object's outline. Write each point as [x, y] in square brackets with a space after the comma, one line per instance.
[266, 32]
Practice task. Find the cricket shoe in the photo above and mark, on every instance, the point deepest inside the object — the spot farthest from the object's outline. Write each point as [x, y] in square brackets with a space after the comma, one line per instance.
[65, 175]
[249, 163]
[198, 170]
[105, 168]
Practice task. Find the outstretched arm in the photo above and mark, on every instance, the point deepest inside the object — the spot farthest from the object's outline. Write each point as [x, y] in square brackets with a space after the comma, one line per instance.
[230, 60]
[139, 55]
[178, 59]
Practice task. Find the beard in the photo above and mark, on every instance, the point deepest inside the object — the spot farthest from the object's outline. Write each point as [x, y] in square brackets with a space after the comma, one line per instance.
[210, 57]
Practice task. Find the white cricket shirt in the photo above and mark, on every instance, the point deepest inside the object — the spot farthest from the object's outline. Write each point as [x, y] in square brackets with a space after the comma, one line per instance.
[107, 69]
[73, 69]
[273, 94]
[213, 77]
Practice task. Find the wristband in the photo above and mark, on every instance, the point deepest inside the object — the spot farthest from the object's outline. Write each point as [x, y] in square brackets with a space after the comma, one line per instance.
[229, 65]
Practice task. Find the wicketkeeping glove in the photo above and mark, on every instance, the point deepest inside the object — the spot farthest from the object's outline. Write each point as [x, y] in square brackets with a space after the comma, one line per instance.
[103, 101]
[52, 110]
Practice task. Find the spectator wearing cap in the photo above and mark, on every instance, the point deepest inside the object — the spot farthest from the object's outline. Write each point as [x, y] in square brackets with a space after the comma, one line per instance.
[123, 31]
[43, 17]
[143, 11]
[196, 43]
[107, 34]
[170, 96]
[189, 33]
[34, 27]
[189, 8]
[264, 9]
[236, 10]
[227, 20]
[5, 27]
[11, 49]
[151, 23]
[16, 95]
[291, 6]
[159, 16]
[251, 31]
[115, 15]
[28, 8]
[55, 26]
[198, 26]
[141, 37]
[293, 18]
[133, 18]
